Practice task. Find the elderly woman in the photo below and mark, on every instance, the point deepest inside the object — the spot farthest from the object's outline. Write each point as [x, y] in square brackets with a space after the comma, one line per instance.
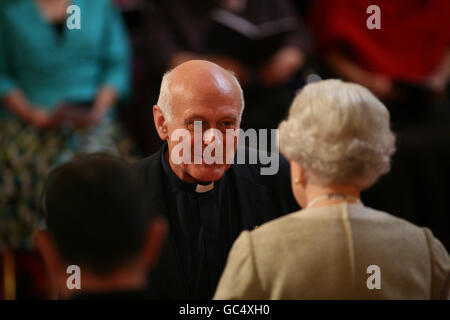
[338, 140]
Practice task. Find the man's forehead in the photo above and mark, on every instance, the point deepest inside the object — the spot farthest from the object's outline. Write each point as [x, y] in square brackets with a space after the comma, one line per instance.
[193, 73]
[187, 88]
[205, 113]
[201, 89]
[206, 103]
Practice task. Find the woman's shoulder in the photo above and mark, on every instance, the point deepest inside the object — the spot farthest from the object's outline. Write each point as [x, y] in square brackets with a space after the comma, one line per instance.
[363, 214]
[299, 219]
[278, 223]
[329, 217]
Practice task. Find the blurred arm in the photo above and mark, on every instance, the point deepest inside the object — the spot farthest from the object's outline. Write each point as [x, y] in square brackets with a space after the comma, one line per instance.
[290, 57]
[116, 62]
[167, 51]
[162, 45]
[438, 81]
[301, 38]
[440, 267]
[380, 85]
[11, 97]
[240, 279]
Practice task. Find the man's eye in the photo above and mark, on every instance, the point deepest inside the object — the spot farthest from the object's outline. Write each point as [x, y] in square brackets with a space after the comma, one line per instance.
[191, 125]
[228, 123]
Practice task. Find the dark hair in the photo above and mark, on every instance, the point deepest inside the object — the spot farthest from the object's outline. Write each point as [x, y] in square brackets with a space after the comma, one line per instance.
[96, 212]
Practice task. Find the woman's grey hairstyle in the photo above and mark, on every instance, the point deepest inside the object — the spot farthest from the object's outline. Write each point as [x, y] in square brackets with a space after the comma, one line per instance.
[339, 132]
[164, 101]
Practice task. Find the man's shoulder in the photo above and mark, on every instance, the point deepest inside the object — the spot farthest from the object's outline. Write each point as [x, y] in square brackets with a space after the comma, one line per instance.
[146, 162]
[149, 167]
[150, 172]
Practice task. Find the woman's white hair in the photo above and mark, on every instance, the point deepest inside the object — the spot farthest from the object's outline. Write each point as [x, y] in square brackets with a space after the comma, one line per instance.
[339, 132]
[164, 101]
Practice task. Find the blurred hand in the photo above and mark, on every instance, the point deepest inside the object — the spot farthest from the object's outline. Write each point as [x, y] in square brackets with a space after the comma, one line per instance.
[240, 69]
[437, 82]
[40, 118]
[281, 67]
[76, 117]
[380, 85]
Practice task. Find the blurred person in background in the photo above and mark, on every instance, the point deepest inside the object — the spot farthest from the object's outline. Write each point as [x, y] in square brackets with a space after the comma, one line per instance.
[97, 219]
[58, 91]
[135, 15]
[406, 62]
[262, 42]
[338, 140]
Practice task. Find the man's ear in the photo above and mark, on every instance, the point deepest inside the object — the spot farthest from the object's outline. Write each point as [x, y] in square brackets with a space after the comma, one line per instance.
[160, 123]
[156, 234]
[53, 261]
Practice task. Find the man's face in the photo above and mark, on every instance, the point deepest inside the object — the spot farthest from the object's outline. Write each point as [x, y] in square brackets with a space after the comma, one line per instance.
[213, 108]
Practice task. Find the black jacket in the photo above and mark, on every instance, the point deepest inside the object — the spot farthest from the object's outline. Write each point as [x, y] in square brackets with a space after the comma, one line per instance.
[261, 198]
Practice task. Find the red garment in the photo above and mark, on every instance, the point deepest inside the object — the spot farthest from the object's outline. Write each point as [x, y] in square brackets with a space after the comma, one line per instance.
[413, 38]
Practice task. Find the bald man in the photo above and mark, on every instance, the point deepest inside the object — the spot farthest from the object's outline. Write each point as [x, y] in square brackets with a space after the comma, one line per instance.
[206, 203]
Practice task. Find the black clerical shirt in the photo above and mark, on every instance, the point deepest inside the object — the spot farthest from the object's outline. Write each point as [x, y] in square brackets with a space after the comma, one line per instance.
[204, 226]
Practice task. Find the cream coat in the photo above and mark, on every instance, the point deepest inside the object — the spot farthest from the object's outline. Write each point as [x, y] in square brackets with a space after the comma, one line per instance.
[324, 253]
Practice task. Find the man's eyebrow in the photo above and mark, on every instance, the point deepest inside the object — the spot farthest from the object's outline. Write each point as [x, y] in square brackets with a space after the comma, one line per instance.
[195, 116]
[229, 117]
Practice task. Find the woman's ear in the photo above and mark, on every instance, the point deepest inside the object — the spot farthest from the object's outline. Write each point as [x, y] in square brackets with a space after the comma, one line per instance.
[298, 183]
[297, 173]
[160, 123]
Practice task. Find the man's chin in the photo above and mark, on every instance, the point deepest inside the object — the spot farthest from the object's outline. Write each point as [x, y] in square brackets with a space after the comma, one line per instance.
[207, 173]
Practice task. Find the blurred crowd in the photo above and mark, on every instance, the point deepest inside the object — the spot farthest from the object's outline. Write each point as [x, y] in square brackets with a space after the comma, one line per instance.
[64, 92]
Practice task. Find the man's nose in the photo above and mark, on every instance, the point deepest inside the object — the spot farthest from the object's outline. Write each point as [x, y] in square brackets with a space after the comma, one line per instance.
[212, 135]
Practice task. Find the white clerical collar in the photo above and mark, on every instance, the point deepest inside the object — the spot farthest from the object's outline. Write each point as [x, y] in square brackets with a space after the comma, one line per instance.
[204, 188]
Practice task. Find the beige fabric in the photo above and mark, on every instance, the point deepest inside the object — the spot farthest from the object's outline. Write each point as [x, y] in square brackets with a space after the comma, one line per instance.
[324, 253]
